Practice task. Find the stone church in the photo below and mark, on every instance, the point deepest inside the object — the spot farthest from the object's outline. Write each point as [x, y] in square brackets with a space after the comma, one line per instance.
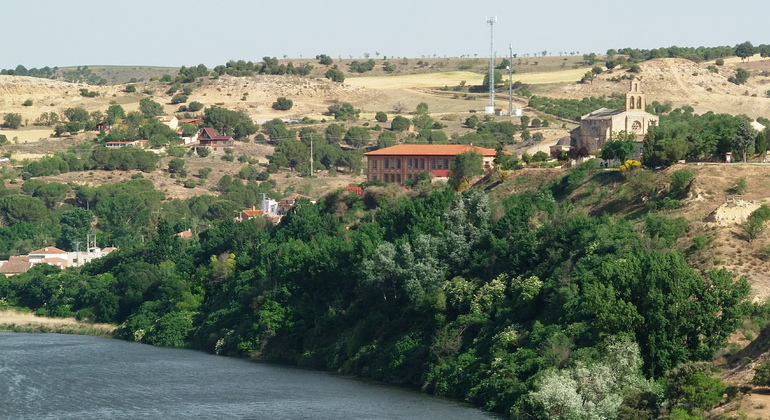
[599, 126]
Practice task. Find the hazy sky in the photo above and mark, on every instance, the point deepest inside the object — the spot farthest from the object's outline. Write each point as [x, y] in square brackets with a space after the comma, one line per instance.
[39, 33]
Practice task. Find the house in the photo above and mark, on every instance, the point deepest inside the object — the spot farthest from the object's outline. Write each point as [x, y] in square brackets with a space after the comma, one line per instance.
[185, 234]
[121, 144]
[15, 265]
[253, 212]
[403, 162]
[563, 145]
[599, 126]
[170, 120]
[51, 255]
[287, 203]
[193, 121]
[209, 138]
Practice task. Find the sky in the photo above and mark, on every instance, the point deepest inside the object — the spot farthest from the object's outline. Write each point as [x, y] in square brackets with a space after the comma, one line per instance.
[38, 33]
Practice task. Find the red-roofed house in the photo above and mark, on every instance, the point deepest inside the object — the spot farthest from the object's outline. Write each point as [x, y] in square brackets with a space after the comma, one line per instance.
[15, 265]
[48, 252]
[210, 138]
[193, 121]
[405, 161]
[253, 212]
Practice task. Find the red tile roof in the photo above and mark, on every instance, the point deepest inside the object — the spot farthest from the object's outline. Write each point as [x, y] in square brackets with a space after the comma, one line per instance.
[431, 150]
[210, 133]
[48, 250]
[355, 189]
[16, 265]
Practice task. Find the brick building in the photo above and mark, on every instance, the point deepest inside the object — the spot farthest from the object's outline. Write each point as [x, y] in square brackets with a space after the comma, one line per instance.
[403, 162]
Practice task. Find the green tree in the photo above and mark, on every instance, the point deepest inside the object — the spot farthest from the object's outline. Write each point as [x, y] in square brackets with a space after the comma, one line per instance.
[741, 76]
[498, 79]
[400, 123]
[743, 142]
[464, 167]
[150, 108]
[422, 109]
[283, 104]
[293, 151]
[335, 75]
[75, 225]
[12, 121]
[744, 50]
[179, 98]
[357, 137]
[620, 148]
[386, 139]
[343, 111]
[381, 117]
[175, 165]
[324, 59]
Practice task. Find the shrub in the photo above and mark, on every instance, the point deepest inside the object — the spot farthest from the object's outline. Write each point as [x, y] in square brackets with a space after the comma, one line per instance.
[179, 98]
[28, 102]
[130, 89]
[680, 180]
[381, 117]
[719, 62]
[283, 104]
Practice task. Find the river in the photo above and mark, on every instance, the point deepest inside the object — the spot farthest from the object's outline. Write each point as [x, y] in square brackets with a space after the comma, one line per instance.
[55, 376]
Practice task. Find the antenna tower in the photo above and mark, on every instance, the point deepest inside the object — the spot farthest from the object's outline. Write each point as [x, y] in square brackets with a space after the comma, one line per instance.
[491, 21]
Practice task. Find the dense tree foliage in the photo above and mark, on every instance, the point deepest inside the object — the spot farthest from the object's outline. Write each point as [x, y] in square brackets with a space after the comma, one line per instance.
[574, 108]
[521, 306]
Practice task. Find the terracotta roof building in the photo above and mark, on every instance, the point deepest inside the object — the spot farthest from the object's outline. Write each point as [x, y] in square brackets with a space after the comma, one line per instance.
[405, 161]
[210, 138]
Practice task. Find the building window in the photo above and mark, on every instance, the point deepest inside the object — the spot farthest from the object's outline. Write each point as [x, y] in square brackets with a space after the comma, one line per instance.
[374, 177]
[374, 164]
[409, 164]
[433, 164]
[398, 178]
[422, 163]
[446, 163]
[398, 163]
[639, 103]
[387, 161]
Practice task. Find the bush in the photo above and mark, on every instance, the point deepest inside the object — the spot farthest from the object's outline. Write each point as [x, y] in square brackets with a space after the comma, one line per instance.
[190, 183]
[381, 117]
[203, 173]
[194, 106]
[179, 98]
[719, 62]
[400, 123]
[28, 102]
[130, 89]
[283, 104]
[680, 181]
[202, 151]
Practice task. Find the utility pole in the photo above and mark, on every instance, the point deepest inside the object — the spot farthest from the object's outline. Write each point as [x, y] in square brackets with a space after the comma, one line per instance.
[491, 21]
[510, 81]
[311, 155]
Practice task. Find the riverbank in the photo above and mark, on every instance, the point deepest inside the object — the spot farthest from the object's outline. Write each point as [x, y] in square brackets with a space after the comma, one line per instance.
[17, 321]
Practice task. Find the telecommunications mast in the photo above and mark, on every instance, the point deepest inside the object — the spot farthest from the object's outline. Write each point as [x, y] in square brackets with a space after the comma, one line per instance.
[491, 108]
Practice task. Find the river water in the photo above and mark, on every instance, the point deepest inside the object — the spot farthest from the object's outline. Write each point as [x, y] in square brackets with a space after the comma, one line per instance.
[54, 376]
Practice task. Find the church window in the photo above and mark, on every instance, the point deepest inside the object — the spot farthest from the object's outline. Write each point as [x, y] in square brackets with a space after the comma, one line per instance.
[639, 102]
[632, 103]
[636, 126]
